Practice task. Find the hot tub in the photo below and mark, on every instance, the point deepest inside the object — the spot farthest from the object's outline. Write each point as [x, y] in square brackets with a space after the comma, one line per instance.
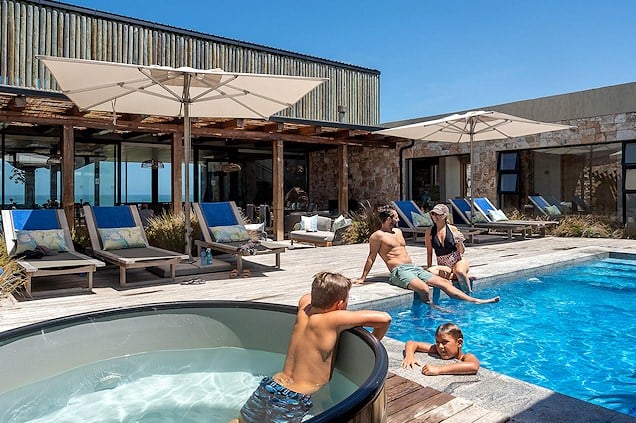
[92, 349]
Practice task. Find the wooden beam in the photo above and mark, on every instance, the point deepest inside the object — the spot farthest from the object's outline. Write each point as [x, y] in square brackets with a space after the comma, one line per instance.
[68, 173]
[338, 138]
[278, 179]
[343, 179]
[176, 155]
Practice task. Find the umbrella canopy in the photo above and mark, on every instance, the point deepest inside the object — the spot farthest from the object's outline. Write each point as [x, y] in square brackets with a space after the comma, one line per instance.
[186, 92]
[472, 126]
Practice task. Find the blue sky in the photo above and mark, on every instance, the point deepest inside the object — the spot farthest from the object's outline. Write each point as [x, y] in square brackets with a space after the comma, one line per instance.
[435, 56]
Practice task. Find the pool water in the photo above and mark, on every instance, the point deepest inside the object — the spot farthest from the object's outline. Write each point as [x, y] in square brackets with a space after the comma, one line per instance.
[572, 331]
[202, 385]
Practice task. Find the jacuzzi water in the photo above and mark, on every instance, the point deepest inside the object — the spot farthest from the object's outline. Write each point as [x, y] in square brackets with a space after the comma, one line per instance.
[572, 331]
[200, 385]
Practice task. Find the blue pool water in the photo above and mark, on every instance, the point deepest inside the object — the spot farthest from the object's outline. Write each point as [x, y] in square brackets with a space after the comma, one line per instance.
[572, 331]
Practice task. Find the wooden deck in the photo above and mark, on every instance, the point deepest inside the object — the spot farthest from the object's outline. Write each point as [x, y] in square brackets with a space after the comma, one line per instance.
[408, 401]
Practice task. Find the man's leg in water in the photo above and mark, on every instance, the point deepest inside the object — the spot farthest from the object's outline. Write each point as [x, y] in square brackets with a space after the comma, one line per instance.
[425, 292]
[453, 292]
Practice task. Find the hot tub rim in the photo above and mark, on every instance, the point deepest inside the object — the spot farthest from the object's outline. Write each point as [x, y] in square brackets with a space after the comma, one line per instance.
[342, 411]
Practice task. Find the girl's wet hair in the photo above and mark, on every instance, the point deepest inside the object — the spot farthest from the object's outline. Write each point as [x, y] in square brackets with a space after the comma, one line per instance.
[329, 288]
[450, 328]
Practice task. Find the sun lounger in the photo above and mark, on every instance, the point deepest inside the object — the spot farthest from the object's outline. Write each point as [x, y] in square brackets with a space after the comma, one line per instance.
[222, 230]
[118, 237]
[563, 206]
[581, 206]
[412, 219]
[25, 230]
[495, 215]
[462, 213]
[545, 207]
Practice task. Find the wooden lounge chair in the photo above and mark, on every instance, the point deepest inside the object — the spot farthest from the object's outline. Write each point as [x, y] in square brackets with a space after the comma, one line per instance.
[406, 210]
[26, 229]
[581, 206]
[544, 207]
[225, 215]
[489, 210]
[118, 237]
[462, 213]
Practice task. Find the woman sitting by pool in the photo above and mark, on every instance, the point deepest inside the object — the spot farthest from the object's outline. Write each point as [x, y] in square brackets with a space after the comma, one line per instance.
[448, 345]
[448, 243]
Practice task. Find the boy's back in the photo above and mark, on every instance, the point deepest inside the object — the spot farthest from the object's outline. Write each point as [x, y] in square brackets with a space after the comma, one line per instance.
[321, 317]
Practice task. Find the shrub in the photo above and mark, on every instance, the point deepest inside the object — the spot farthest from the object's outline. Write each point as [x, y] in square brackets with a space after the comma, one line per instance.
[587, 226]
[167, 231]
[81, 239]
[364, 222]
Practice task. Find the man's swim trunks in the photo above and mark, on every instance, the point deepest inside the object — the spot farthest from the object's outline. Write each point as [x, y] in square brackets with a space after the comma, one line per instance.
[272, 402]
[403, 274]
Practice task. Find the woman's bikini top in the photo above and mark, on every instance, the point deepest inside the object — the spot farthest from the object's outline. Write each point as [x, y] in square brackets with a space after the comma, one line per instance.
[449, 242]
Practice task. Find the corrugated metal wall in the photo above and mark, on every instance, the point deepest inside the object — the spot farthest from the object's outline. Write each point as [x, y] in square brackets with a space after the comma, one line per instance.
[31, 28]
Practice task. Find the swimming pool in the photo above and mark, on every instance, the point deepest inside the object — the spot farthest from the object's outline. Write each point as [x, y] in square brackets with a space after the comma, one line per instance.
[572, 331]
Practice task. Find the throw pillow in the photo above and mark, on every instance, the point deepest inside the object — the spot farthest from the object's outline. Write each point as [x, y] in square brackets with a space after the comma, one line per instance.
[309, 223]
[231, 233]
[553, 211]
[256, 231]
[421, 219]
[479, 217]
[49, 238]
[121, 238]
[497, 215]
[338, 223]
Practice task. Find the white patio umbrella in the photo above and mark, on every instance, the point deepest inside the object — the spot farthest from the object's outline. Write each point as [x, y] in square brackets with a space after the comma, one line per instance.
[472, 126]
[167, 91]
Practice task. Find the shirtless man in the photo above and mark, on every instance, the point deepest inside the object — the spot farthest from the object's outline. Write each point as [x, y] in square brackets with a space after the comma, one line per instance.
[321, 318]
[389, 243]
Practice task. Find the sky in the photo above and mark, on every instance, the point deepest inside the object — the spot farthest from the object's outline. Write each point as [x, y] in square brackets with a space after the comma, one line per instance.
[435, 56]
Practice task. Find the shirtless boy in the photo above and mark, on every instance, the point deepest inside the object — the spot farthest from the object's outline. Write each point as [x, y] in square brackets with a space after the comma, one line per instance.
[448, 345]
[321, 318]
[389, 243]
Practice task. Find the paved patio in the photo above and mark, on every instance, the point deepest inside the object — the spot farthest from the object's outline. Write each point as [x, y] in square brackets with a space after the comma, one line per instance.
[521, 401]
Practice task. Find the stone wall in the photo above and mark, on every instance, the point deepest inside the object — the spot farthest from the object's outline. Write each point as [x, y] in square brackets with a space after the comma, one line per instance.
[594, 130]
[373, 175]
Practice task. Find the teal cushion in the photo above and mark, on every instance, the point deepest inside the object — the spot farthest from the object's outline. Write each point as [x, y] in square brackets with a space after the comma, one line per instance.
[479, 217]
[50, 238]
[230, 233]
[421, 219]
[497, 215]
[553, 211]
[338, 223]
[122, 238]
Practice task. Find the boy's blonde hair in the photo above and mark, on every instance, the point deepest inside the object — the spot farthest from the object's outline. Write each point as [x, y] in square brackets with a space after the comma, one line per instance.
[329, 288]
[450, 328]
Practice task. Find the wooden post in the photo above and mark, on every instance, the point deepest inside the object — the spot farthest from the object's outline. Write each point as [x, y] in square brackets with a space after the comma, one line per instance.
[176, 152]
[343, 179]
[278, 196]
[68, 173]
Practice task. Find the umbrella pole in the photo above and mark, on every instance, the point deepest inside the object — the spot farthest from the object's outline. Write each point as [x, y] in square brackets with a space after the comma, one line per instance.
[186, 158]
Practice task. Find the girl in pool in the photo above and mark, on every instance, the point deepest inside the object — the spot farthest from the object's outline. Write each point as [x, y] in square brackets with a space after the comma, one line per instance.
[448, 345]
